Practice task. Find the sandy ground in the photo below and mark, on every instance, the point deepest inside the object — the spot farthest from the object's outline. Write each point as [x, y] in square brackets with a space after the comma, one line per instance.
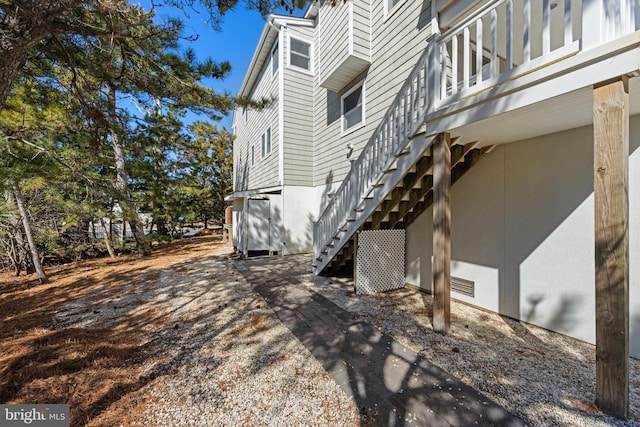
[175, 339]
[180, 339]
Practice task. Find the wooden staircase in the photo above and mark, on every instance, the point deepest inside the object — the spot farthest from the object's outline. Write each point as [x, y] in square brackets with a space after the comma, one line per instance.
[391, 183]
[412, 196]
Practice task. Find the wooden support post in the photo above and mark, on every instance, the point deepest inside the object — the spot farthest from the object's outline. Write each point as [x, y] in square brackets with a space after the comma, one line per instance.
[441, 153]
[611, 191]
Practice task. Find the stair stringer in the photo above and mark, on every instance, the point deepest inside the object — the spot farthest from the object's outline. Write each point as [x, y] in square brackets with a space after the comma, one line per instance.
[386, 182]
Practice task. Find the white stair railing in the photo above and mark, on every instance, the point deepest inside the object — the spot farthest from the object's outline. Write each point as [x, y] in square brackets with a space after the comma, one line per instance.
[388, 141]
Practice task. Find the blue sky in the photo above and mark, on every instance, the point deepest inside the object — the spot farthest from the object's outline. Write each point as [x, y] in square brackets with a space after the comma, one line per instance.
[234, 42]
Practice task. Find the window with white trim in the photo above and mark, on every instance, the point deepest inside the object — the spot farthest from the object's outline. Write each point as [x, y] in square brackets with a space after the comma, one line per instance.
[352, 107]
[275, 60]
[300, 54]
[266, 142]
[389, 5]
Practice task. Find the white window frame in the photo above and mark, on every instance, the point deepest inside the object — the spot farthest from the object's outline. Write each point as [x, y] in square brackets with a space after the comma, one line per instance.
[360, 84]
[390, 9]
[266, 143]
[275, 59]
[295, 67]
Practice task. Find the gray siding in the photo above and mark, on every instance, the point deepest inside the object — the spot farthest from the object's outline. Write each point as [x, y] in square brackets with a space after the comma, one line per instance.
[362, 29]
[396, 44]
[264, 172]
[333, 36]
[297, 113]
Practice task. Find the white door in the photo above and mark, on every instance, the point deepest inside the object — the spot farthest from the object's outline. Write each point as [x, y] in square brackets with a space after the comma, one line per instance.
[258, 225]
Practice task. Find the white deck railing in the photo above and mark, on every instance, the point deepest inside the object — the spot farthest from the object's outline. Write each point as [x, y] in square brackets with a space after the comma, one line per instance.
[500, 41]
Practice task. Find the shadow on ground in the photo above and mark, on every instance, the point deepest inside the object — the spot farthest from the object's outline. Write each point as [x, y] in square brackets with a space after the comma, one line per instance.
[391, 384]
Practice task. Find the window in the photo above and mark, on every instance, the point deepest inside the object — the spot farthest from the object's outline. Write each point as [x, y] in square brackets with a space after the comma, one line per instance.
[274, 60]
[300, 55]
[266, 142]
[253, 157]
[353, 107]
[389, 5]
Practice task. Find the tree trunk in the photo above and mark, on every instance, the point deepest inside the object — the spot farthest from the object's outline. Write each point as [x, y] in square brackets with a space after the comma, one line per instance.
[24, 26]
[123, 236]
[27, 231]
[12, 62]
[129, 213]
[107, 240]
[17, 251]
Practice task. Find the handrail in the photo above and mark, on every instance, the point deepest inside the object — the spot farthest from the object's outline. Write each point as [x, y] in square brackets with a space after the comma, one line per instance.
[487, 7]
[387, 141]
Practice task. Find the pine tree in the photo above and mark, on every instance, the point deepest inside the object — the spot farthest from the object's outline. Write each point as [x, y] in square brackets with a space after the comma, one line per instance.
[34, 33]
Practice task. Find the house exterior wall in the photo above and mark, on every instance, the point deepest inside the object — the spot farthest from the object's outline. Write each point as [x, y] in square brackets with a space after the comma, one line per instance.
[249, 128]
[297, 101]
[288, 169]
[361, 33]
[332, 37]
[397, 40]
[523, 231]
[298, 213]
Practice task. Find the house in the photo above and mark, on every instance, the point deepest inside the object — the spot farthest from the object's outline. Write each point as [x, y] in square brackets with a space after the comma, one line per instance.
[494, 142]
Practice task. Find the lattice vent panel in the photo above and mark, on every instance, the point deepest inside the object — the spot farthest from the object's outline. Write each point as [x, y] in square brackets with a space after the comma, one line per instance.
[380, 261]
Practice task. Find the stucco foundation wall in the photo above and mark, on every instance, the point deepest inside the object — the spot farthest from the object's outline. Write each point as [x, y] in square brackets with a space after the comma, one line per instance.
[523, 231]
[299, 212]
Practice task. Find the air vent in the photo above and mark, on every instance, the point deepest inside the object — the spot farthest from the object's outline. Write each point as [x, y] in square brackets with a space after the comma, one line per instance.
[463, 286]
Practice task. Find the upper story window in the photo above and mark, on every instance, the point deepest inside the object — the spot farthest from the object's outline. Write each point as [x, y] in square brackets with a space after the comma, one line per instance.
[266, 142]
[300, 54]
[275, 60]
[389, 5]
[352, 107]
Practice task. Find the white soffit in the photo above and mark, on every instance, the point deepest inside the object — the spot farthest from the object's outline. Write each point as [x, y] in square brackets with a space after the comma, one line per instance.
[557, 114]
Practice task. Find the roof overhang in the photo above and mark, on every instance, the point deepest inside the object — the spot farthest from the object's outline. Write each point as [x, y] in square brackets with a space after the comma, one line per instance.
[263, 50]
[248, 193]
[312, 11]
